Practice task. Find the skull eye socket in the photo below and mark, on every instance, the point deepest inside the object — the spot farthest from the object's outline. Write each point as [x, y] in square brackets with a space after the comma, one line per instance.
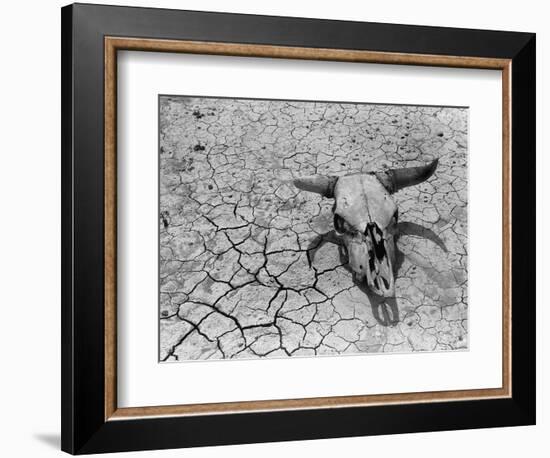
[340, 224]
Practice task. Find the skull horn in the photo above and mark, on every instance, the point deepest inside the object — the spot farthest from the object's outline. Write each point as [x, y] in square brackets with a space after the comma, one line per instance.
[320, 184]
[396, 179]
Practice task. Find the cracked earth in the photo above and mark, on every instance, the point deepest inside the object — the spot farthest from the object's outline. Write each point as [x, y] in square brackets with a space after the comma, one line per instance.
[250, 266]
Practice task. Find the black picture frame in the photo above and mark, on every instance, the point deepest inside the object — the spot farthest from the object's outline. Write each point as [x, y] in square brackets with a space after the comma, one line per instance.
[84, 428]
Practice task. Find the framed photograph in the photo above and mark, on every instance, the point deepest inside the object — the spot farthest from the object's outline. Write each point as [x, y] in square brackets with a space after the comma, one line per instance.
[282, 228]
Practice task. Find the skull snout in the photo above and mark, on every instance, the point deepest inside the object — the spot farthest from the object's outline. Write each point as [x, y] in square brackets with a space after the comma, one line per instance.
[370, 257]
[381, 253]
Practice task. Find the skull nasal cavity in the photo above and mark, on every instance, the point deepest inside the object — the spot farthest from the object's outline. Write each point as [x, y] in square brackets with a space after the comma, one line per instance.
[377, 238]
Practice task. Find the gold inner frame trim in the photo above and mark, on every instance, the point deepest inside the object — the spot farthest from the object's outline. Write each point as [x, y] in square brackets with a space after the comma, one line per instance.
[114, 44]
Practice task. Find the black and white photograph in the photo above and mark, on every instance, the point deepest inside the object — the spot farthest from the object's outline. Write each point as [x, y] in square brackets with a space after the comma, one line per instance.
[293, 228]
[274, 229]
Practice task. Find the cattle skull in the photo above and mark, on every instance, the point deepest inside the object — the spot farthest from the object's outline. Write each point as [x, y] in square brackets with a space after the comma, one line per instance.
[365, 217]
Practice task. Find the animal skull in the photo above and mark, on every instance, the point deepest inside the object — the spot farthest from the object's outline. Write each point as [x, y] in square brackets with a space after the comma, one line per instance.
[365, 217]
